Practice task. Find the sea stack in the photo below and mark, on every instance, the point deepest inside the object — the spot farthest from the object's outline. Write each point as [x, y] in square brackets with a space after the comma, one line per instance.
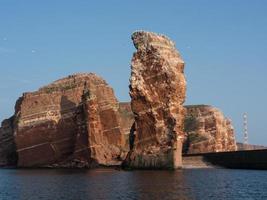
[157, 90]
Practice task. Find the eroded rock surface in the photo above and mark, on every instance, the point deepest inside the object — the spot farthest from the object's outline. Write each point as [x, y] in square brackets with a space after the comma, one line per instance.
[8, 155]
[73, 122]
[157, 90]
[207, 130]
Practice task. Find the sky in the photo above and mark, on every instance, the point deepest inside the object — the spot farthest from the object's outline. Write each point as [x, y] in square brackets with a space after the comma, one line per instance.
[223, 43]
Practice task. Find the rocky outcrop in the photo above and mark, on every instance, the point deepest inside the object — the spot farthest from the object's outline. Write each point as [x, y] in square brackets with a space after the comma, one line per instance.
[157, 90]
[8, 155]
[207, 130]
[73, 122]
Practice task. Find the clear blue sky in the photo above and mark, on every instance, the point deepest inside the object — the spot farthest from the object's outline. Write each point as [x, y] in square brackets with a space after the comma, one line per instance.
[224, 45]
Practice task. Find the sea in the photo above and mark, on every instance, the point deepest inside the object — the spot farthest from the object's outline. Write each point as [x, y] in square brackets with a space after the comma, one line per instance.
[102, 184]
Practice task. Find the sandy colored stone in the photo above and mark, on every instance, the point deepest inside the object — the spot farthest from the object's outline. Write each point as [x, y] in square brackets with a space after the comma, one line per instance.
[157, 90]
[208, 130]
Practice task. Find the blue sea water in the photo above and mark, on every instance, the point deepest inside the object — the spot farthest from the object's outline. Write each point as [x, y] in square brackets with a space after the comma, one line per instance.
[195, 184]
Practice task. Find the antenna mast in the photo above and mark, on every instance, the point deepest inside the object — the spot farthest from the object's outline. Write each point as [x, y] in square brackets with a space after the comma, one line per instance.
[245, 123]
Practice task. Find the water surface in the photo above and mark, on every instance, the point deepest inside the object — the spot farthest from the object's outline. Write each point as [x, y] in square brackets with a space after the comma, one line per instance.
[111, 184]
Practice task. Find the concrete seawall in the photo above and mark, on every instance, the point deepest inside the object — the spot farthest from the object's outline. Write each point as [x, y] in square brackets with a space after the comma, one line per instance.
[252, 159]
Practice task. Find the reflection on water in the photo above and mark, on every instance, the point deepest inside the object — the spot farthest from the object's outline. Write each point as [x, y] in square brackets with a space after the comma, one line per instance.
[139, 185]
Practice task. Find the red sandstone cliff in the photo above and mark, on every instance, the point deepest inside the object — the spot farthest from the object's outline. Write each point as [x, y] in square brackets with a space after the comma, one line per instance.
[73, 122]
[157, 90]
[207, 130]
[8, 155]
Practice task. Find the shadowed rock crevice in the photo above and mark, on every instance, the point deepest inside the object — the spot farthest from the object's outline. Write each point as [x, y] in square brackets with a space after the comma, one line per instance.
[64, 141]
[132, 136]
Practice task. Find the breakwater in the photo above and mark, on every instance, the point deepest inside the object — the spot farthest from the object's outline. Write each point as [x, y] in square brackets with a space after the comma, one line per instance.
[251, 159]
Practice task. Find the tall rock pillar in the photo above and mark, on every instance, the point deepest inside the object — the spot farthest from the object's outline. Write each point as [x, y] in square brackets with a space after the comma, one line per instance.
[157, 90]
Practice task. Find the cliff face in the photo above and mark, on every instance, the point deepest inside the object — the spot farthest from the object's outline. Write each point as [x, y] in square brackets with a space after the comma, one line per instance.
[207, 130]
[73, 122]
[8, 155]
[157, 90]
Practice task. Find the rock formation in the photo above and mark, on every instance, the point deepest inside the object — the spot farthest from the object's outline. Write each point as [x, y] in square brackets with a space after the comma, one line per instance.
[8, 155]
[207, 130]
[78, 122]
[73, 122]
[157, 90]
[205, 127]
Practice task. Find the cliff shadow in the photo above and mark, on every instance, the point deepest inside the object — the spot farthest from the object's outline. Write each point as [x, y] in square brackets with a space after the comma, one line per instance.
[132, 136]
[63, 143]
